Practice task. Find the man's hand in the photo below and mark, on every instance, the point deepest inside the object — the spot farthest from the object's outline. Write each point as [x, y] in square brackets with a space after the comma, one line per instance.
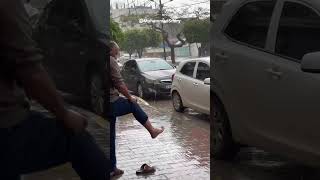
[74, 121]
[133, 99]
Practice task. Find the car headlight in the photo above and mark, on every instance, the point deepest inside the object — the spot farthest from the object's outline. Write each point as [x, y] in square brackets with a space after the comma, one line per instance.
[152, 81]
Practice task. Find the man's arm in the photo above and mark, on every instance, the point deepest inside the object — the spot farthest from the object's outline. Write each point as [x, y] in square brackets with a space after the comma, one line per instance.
[118, 80]
[39, 86]
[25, 58]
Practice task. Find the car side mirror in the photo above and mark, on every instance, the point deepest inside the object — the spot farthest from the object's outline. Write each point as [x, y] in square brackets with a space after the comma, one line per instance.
[206, 81]
[311, 62]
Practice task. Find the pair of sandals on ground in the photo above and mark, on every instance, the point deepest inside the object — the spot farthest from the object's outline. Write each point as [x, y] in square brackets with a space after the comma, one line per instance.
[145, 169]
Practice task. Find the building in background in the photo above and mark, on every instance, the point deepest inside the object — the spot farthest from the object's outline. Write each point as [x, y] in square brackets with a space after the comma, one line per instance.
[128, 18]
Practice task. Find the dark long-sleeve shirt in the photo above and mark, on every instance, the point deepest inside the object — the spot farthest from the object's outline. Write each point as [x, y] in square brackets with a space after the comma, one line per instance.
[17, 50]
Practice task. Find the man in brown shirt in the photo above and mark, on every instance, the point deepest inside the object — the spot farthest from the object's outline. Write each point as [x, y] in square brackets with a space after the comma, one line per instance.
[29, 140]
[121, 106]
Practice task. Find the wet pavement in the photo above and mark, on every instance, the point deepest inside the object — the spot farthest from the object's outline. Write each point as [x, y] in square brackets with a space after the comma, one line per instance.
[181, 152]
[255, 164]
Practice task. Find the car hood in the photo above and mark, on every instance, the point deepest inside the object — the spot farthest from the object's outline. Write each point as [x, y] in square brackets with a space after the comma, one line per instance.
[97, 10]
[161, 74]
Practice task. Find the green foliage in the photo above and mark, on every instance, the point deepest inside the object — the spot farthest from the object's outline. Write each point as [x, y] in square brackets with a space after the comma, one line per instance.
[197, 31]
[116, 32]
[136, 40]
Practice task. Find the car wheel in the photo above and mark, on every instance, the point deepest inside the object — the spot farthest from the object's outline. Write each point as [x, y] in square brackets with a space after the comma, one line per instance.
[224, 147]
[97, 94]
[140, 91]
[177, 102]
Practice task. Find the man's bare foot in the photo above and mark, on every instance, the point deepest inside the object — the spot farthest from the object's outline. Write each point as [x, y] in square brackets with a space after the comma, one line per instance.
[156, 132]
[116, 172]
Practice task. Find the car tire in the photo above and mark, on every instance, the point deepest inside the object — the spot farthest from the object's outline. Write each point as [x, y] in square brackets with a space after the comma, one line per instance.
[177, 102]
[223, 145]
[96, 93]
[141, 92]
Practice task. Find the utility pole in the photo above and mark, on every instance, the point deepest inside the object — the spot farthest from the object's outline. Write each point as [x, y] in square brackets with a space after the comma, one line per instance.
[163, 42]
[161, 16]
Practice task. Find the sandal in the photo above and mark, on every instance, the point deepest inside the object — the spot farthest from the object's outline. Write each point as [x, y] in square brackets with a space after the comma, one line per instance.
[145, 169]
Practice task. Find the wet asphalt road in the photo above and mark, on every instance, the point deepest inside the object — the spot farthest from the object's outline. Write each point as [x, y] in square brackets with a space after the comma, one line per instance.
[255, 164]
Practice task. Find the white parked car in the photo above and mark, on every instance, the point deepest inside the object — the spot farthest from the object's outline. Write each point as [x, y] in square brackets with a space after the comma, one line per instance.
[191, 85]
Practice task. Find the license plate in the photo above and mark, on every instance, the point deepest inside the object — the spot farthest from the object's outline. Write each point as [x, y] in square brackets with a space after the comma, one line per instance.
[168, 86]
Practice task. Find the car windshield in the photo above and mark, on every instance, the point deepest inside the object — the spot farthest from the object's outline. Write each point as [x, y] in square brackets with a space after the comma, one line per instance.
[154, 65]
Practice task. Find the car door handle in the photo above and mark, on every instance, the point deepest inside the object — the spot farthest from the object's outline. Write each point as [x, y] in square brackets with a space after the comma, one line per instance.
[274, 73]
[196, 84]
[179, 79]
[221, 57]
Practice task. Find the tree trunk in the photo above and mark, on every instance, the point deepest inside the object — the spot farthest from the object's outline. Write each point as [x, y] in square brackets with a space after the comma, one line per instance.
[140, 51]
[173, 55]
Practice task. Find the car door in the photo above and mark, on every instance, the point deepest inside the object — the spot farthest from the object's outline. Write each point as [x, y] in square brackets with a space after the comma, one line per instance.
[293, 116]
[240, 61]
[185, 80]
[202, 91]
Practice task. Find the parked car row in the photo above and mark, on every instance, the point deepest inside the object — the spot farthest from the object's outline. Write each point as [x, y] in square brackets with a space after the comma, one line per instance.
[188, 85]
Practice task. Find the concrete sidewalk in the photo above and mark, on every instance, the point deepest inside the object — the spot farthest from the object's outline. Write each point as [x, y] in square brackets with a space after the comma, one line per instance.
[181, 152]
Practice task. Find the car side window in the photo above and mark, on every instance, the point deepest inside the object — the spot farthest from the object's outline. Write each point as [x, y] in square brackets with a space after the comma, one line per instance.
[298, 32]
[188, 69]
[130, 66]
[134, 67]
[250, 24]
[203, 71]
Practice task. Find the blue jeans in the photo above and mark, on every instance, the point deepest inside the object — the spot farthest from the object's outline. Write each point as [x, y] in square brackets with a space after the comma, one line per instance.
[40, 142]
[119, 108]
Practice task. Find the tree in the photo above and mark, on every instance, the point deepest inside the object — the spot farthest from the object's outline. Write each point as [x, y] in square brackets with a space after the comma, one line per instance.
[137, 40]
[197, 31]
[184, 13]
[116, 32]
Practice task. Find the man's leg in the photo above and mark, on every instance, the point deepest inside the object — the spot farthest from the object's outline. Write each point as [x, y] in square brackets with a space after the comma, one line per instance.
[40, 143]
[122, 107]
[8, 171]
[113, 142]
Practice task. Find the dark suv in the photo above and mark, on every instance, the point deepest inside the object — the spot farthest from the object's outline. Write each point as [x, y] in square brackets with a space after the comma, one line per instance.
[73, 36]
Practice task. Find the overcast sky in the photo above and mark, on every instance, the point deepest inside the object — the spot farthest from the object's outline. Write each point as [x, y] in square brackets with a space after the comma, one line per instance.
[174, 3]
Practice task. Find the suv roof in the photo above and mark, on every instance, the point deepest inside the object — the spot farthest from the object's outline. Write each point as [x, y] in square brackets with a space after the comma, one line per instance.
[206, 59]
